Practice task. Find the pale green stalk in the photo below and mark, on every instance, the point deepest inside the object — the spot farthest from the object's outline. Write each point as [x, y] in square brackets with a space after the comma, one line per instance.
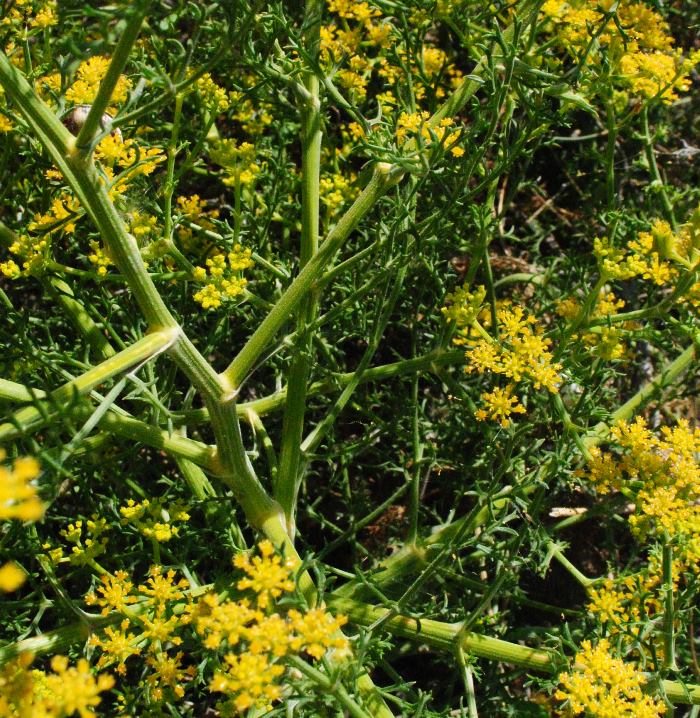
[383, 177]
[290, 469]
[431, 362]
[32, 418]
[446, 636]
[669, 612]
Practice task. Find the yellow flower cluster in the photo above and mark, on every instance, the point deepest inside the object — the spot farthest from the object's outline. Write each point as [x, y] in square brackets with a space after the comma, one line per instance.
[416, 125]
[214, 97]
[353, 45]
[336, 190]
[637, 44]
[29, 14]
[99, 257]
[26, 693]
[656, 255]
[18, 500]
[253, 117]
[194, 209]
[88, 541]
[5, 122]
[605, 341]
[250, 637]
[624, 606]
[661, 474]
[605, 686]
[154, 519]
[222, 278]
[499, 404]
[89, 75]
[522, 351]
[237, 160]
[154, 628]
[462, 308]
[251, 676]
[115, 151]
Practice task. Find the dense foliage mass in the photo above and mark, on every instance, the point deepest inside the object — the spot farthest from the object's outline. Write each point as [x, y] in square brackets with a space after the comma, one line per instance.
[349, 358]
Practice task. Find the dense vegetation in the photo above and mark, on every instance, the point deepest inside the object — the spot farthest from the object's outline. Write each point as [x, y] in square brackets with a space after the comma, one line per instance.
[349, 358]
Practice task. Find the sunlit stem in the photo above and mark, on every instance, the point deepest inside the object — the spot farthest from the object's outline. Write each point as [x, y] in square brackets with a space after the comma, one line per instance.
[84, 141]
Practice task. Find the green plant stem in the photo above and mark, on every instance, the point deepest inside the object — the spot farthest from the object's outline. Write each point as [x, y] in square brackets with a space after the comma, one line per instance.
[174, 444]
[656, 180]
[383, 177]
[290, 471]
[82, 321]
[32, 418]
[468, 680]
[169, 184]
[84, 141]
[555, 551]
[445, 636]
[669, 374]
[669, 612]
[332, 687]
[432, 362]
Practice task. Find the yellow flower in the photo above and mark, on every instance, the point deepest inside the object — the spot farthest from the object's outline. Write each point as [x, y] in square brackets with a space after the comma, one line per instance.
[317, 632]
[118, 646]
[18, 498]
[88, 78]
[521, 353]
[11, 577]
[99, 257]
[252, 678]
[153, 519]
[604, 685]
[163, 588]
[500, 404]
[221, 277]
[115, 593]
[213, 96]
[237, 160]
[65, 691]
[267, 576]
[222, 621]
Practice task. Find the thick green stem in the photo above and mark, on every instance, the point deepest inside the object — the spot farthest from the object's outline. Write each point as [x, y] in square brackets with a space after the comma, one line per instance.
[431, 362]
[93, 122]
[33, 417]
[443, 636]
[383, 177]
[669, 612]
[290, 472]
[81, 319]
